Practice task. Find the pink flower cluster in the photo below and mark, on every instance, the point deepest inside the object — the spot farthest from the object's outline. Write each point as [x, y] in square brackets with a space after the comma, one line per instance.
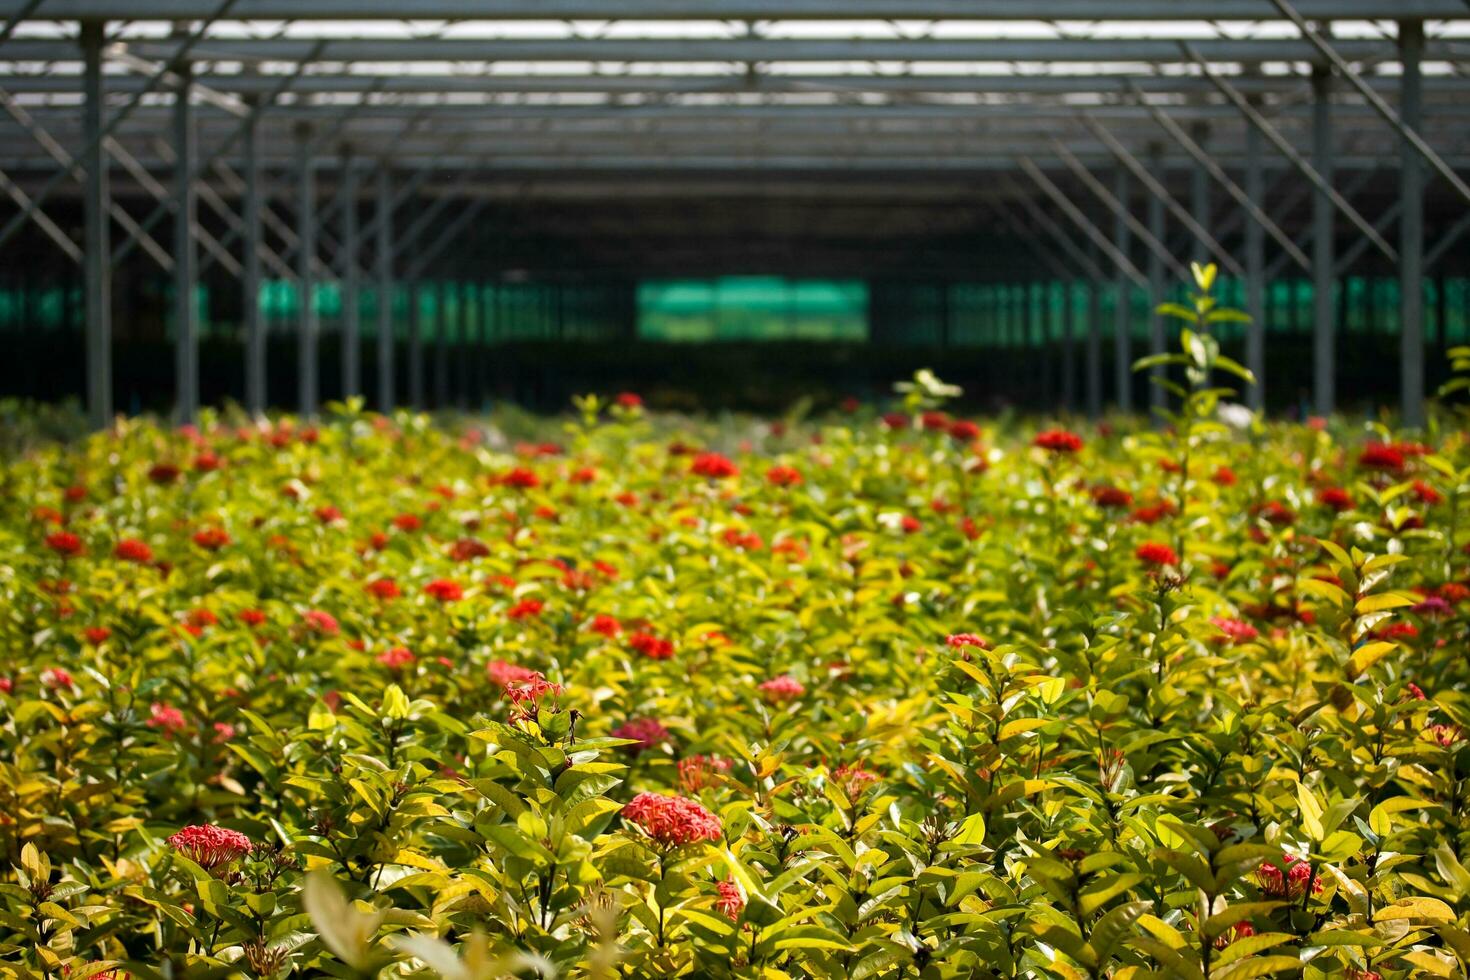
[1288, 880]
[673, 820]
[209, 846]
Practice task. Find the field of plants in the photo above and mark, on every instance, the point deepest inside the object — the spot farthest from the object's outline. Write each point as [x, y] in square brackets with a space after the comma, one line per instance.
[883, 693]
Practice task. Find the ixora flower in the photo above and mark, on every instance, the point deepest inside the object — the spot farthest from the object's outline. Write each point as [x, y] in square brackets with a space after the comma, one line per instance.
[783, 476]
[1288, 880]
[166, 718]
[652, 647]
[729, 902]
[131, 549]
[713, 466]
[396, 658]
[210, 846]
[444, 590]
[1058, 441]
[65, 544]
[320, 623]
[645, 733]
[1156, 553]
[672, 820]
[1234, 630]
[699, 771]
[57, 679]
[212, 538]
[783, 689]
[959, 640]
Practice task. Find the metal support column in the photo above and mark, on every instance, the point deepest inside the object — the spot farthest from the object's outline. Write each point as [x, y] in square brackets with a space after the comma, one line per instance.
[186, 257]
[250, 312]
[1123, 302]
[1069, 346]
[96, 275]
[1323, 325]
[1199, 191]
[307, 324]
[1255, 272]
[415, 346]
[441, 346]
[386, 399]
[351, 284]
[1411, 228]
[1094, 348]
[1157, 397]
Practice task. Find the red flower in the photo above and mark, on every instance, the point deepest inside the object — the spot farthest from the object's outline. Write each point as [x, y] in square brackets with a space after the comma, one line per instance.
[162, 473]
[211, 538]
[628, 399]
[396, 658]
[444, 590]
[1381, 456]
[56, 678]
[1235, 631]
[1427, 494]
[958, 640]
[1058, 441]
[963, 430]
[526, 696]
[526, 608]
[698, 771]
[1152, 513]
[408, 522]
[783, 476]
[607, 625]
[1288, 880]
[466, 549]
[166, 718]
[1278, 513]
[131, 549]
[1335, 498]
[780, 690]
[1224, 476]
[910, 524]
[1111, 497]
[319, 622]
[652, 647]
[521, 478]
[207, 462]
[729, 903]
[211, 847]
[714, 466]
[383, 588]
[251, 617]
[645, 734]
[97, 634]
[65, 544]
[328, 515]
[1156, 553]
[507, 675]
[673, 820]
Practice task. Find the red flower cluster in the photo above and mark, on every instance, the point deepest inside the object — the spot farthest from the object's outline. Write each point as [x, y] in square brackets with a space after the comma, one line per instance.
[526, 696]
[698, 771]
[212, 538]
[958, 640]
[321, 623]
[1156, 553]
[209, 846]
[526, 609]
[780, 690]
[652, 647]
[65, 544]
[508, 674]
[714, 466]
[673, 820]
[131, 549]
[607, 625]
[783, 476]
[1058, 441]
[1335, 498]
[1288, 880]
[1235, 631]
[729, 902]
[396, 658]
[645, 733]
[444, 590]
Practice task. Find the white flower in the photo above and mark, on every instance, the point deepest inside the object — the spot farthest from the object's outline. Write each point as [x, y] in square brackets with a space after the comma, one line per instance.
[1236, 416]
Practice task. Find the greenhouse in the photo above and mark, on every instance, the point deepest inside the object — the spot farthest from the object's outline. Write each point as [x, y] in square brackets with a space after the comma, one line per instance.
[735, 489]
[1014, 185]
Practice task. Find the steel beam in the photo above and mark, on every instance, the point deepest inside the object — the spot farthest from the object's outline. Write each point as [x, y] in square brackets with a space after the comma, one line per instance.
[96, 269]
[1157, 287]
[385, 256]
[1156, 247]
[307, 322]
[347, 261]
[186, 257]
[250, 311]
[52, 231]
[742, 50]
[1411, 228]
[1251, 206]
[1123, 301]
[1409, 133]
[1158, 191]
[64, 51]
[441, 345]
[1323, 186]
[1094, 348]
[1324, 323]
